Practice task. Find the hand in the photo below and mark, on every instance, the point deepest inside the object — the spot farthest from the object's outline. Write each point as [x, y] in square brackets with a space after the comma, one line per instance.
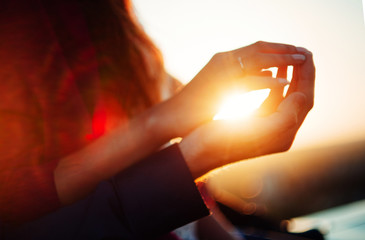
[198, 101]
[217, 143]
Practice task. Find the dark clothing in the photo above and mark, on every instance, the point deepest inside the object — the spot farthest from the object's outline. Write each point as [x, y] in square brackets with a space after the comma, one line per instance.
[151, 198]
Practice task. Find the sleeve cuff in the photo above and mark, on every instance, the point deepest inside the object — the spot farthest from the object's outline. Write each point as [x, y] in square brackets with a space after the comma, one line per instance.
[159, 194]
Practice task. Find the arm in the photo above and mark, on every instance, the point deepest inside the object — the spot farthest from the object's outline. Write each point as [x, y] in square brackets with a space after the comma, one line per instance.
[77, 174]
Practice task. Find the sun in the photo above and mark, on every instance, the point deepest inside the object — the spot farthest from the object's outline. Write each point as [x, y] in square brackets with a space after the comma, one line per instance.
[240, 105]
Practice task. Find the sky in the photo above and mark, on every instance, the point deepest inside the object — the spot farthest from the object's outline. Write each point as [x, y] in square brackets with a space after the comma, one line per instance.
[190, 32]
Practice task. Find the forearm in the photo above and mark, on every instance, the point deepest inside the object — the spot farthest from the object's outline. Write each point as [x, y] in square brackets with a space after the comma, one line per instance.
[78, 174]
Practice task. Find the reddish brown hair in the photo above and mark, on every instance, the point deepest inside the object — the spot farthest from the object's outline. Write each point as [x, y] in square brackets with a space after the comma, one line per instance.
[131, 66]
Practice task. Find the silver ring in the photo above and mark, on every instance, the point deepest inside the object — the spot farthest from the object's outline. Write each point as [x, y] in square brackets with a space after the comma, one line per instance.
[241, 63]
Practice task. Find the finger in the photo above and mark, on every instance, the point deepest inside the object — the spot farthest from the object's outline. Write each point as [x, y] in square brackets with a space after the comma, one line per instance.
[302, 50]
[282, 72]
[304, 79]
[258, 82]
[269, 47]
[276, 94]
[265, 73]
[271, 102]
[288, 112]
[264, 60]
[228, 198]
[307, 75]
[232, 200]
[266, 47]
[292, 103]
[237, 64]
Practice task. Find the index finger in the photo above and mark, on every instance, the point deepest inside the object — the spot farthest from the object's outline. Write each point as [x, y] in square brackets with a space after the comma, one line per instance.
[304, 78]
[270, 47]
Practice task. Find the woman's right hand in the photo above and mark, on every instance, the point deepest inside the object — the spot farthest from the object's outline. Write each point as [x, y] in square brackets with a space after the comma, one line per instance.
[198, 101]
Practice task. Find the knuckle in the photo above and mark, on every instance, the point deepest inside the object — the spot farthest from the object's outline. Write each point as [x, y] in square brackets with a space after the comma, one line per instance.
[291, 48]
[217, 56]
[259, 44]
[286, 146]
[220, 57]
[309, 53]
[221, 61]
[310, 105]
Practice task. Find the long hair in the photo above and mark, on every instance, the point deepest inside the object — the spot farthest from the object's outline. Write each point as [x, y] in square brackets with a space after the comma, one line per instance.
[130, 65]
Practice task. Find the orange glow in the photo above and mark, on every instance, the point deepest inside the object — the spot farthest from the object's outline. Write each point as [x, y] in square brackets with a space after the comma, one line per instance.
[239, 105]
[334, 33]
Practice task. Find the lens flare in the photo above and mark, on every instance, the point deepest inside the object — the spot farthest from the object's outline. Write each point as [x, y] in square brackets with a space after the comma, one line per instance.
[241, 105]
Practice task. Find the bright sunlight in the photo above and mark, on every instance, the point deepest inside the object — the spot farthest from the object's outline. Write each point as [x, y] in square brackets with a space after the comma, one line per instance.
[241, 105]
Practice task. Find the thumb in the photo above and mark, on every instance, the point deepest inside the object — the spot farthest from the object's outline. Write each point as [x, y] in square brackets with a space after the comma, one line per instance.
[290, 108]
[294, 103]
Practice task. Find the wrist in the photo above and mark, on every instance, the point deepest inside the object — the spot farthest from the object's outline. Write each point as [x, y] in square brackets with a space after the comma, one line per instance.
[205, 148]
[172, 118]
[159, 122]
[193, 152]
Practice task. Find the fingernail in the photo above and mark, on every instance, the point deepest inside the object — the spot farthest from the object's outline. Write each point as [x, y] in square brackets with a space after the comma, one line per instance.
[283, 81]
[299, 57]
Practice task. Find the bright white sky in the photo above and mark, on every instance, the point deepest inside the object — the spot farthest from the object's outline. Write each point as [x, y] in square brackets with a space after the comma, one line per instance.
[189, 32]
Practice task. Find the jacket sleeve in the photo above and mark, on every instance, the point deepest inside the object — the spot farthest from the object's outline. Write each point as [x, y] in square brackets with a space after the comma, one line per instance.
[158, 194]
[146, 201]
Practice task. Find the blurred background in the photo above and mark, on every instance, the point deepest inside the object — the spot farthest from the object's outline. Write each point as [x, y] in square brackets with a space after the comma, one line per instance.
[326, 166]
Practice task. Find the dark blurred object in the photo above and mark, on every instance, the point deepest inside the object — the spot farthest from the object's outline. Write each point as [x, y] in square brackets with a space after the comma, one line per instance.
[316, 179]
[259, 228]
[289, 185]
[295, 183]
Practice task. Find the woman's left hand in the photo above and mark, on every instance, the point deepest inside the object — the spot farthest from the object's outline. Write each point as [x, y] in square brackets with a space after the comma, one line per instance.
[218, 143]
[199, 100]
